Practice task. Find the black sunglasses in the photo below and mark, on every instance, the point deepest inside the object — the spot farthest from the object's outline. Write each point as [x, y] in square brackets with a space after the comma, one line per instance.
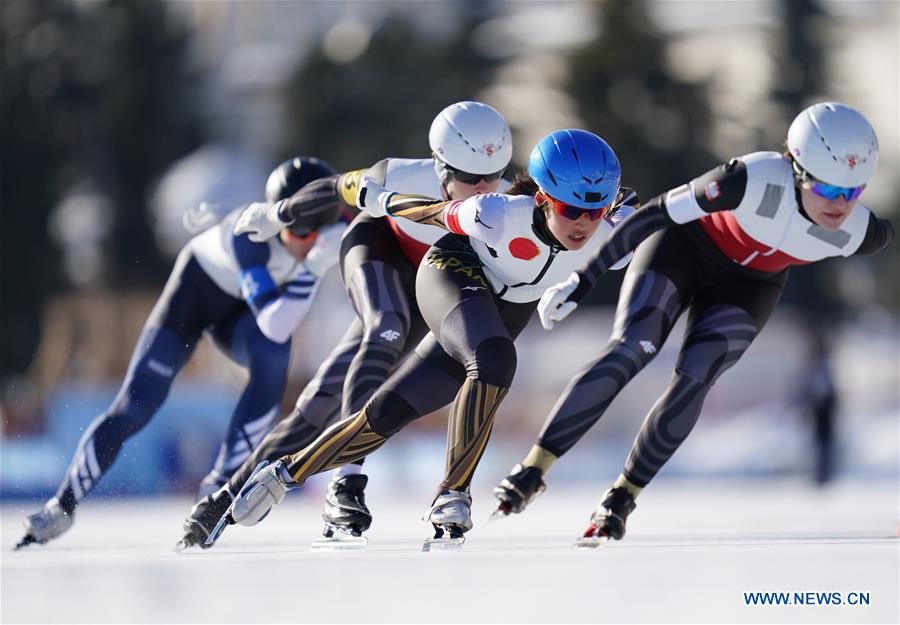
[467, 178]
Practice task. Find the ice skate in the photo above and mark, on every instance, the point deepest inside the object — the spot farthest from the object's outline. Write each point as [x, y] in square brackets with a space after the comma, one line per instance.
[346, 515]
[517, 490]
[264, 490]
[608, 519]
[52, 521]
[203, 518]
[451, 516]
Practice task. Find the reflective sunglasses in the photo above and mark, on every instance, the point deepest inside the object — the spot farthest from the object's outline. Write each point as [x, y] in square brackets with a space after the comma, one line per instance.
[825, 190]
[467, 178]
[833, 192]
[572, 212]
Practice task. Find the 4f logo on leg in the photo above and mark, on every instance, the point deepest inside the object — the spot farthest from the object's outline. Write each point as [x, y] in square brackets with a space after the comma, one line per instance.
[648, 347]
[390, 335]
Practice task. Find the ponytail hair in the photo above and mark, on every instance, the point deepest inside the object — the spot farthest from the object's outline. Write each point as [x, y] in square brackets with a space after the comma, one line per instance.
[523, 184]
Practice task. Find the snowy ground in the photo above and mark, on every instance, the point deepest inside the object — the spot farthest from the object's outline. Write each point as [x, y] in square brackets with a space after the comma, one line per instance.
[692, 552]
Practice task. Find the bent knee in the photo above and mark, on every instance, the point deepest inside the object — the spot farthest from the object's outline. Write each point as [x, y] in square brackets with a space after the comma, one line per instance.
[636, 350]
[707, 359]
[388, 412]
[494, 362]
[387, 328]
[268, 357]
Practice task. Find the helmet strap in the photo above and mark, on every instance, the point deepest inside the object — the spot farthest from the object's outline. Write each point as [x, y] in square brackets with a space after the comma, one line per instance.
[541, 228]
[440, 168]
[799, 179]
[800, 174]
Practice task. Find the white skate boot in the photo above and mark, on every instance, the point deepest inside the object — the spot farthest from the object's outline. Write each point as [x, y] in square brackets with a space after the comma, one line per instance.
[451, 515]
[264, 490]
[44, 526]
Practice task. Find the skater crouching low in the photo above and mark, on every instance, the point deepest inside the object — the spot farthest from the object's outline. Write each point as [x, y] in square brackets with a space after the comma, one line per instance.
[379, 257]
[720, 247]
[477, 288]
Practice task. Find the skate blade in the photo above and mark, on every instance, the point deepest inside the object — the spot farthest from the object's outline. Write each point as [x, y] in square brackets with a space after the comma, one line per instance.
[339, 542]
[28, 539]
[499, 513]
[218, 529]
[443, 544]
[590, 542]
[186, 543]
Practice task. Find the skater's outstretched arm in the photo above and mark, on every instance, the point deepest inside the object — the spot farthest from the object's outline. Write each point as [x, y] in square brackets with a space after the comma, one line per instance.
[684, 204]
[480, 217]
[679, 206]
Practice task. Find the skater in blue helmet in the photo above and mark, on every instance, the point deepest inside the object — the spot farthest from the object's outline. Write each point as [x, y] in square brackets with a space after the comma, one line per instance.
[477, 288]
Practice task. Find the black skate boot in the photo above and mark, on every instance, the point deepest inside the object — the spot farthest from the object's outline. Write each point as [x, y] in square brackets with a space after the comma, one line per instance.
[346, 515]
[518, 489]
[42, 527]
[608, 519]
[204, 516]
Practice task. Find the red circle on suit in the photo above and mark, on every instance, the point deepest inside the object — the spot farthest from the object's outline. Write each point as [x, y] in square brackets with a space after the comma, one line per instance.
[524, 249]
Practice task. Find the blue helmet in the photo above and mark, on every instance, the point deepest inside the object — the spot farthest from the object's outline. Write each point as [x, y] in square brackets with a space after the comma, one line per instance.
[576, 167]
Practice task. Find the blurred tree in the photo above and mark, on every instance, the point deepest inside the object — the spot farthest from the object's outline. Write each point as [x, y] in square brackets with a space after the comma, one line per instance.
[382, 103]
[799, 52]
[657, 125]
[800, 55]
[98, 93]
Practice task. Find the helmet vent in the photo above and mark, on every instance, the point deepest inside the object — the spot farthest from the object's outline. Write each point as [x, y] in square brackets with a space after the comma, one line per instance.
[552, 177]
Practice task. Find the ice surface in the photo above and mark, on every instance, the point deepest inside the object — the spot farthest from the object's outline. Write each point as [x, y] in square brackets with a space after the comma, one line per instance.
[692, 550]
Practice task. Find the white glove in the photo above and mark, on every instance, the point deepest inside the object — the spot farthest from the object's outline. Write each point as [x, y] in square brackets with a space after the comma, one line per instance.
[372, 197]
[553, 306]
[326, 251]
[260, 220]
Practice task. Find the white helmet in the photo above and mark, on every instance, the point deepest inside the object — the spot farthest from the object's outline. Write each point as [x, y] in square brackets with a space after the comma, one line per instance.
[835, 144]
[471, 137]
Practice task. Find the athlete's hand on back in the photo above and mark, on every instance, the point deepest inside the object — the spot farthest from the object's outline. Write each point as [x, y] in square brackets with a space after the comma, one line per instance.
[260, 220]
[372, 197]
[326, 251]
[554, 306]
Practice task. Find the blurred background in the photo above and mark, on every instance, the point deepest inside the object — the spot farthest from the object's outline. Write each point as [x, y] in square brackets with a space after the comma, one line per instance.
[118, 116]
